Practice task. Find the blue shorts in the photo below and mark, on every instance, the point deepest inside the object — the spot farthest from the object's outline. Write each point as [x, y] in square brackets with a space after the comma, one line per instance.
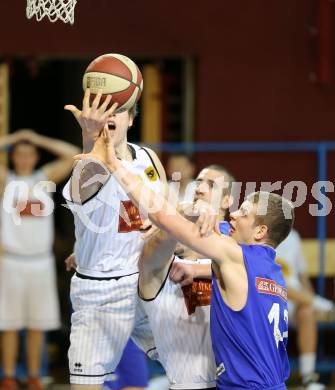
[132, 371]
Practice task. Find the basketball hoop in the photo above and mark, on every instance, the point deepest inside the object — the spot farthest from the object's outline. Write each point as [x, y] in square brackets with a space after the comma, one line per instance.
[53, 9]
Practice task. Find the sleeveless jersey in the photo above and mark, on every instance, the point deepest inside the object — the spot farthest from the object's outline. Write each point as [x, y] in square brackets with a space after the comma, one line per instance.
[180, 326]
[27, 215]
[108, 240]
[250, 344]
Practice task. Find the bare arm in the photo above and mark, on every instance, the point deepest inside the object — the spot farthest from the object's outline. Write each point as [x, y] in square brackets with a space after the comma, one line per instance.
[223, 250]
[86, 180]
[300, 297]
[154, 262]
[10, 139]
[6, 141]
[57, 170]
[305, 281]
[186, 273]
[219, 248]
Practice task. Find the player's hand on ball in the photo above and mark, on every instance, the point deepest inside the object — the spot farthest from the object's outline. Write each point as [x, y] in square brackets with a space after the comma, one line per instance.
[93, 117]
[182, 273]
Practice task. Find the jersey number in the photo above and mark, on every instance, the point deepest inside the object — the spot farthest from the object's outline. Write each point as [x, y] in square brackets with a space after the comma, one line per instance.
[273, 317]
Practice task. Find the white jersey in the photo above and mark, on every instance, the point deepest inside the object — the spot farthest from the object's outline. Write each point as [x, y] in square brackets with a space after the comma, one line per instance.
[179, 319]
[290, 256]
[108, 240]
[26, 215]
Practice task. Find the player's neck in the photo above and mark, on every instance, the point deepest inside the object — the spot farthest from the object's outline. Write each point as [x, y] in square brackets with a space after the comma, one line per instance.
[123, 152]
[23, 172]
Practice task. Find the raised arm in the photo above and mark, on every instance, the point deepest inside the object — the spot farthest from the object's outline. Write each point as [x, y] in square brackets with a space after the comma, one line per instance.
[214, 246]
[10, 139]
[155, 261]
[6, 141]
[57, 170]
[219, 248]
[92, 119]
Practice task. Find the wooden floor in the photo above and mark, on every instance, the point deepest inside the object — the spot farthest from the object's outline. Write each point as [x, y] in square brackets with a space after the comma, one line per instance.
[67, 387]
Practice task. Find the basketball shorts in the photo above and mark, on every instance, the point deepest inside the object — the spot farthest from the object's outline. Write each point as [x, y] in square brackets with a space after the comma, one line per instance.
[28, 293]
[102, 322]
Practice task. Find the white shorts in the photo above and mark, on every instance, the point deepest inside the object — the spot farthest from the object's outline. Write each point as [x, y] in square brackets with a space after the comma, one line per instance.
[102, 322]
[28, 293]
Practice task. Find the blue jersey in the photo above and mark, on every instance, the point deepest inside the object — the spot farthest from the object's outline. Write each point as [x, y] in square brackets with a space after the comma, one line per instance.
[250, 345]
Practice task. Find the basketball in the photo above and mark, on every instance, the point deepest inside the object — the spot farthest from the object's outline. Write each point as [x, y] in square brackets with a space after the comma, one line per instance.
[116, 75]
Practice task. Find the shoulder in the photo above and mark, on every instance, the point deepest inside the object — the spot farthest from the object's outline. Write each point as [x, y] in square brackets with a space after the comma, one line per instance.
[259, 251]
[150, 153]
[156, 162]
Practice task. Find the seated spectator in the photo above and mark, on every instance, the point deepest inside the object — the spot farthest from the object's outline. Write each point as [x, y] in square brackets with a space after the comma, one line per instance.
[303, 306]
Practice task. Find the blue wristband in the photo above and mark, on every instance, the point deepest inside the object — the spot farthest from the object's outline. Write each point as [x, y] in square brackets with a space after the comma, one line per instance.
[224, 227]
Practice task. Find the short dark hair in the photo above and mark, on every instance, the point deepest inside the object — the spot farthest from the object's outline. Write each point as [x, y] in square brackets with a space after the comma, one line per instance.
[23, 142]
[228, 177]
[187, 156]
[277, 215]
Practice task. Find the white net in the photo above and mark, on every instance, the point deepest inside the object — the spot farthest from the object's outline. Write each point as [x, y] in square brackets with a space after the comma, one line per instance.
[53, 9]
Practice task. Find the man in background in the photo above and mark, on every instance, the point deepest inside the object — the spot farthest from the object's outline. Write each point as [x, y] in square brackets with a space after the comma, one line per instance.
[303, 305]
[180, 169]
[28, 293]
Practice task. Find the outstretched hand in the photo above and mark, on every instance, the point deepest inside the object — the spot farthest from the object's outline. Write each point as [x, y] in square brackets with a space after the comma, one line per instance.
[93, 117]
[103, 149]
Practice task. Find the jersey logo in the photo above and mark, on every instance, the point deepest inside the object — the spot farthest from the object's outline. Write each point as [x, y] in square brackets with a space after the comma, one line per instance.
[129, 218]
[151, 173]
[33, 208]
[268, 286]
[197, 294]
[78, 367]
[220, 370]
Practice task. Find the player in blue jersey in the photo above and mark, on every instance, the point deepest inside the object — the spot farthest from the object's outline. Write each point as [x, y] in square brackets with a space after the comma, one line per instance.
[249, 317]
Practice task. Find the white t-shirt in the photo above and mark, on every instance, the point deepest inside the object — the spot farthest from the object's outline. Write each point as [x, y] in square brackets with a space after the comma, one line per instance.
[27, 226]
[291, 257]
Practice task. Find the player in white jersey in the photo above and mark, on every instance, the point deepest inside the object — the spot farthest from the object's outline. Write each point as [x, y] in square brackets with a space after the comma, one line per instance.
[303, 304]
[28, 294]
[178, 306]
[108, 245]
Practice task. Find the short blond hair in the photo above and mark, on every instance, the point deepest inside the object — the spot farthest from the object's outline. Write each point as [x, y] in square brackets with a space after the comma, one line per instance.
[278, 215]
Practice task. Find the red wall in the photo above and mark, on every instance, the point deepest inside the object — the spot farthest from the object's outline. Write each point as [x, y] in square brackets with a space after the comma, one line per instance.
[254, 57]
[254, 60]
